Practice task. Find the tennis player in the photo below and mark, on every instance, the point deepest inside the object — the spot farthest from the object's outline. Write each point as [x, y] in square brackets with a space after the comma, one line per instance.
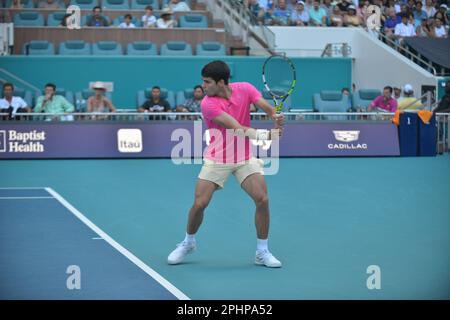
[226, 111]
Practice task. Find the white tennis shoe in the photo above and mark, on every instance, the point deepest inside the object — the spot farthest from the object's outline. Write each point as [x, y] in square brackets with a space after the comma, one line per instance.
[180, 252]
[265, 258]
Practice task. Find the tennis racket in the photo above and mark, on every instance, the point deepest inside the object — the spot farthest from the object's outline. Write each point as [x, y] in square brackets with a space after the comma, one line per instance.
[279, 79]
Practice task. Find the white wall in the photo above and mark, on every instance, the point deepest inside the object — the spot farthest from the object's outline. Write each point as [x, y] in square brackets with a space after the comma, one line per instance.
[374, 63]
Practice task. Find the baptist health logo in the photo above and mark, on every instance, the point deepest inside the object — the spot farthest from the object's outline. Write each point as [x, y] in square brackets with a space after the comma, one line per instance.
[347, 136]
[129, 140]
[16, 142]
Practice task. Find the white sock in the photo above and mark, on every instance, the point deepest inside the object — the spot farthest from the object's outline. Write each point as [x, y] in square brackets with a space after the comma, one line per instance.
[189, 238]
[262, 244]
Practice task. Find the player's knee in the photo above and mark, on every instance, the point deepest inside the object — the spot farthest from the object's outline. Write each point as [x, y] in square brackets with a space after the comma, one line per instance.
[200, 204]
[261, 200]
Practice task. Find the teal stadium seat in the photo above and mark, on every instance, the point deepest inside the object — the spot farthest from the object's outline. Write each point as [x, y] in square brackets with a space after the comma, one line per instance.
[144, 95]
[28, 4]
[331, 101]
[193, 21]
[364, 97]
[54, 18]
[107, 48]
[210, 48]
[141, 4]
[38, 48]
[142, 48]
[75, 48]
[82, 96]
[286, 106]
[115, 5]
[184, 95]
[84, 4]
[28, 19]
[134, 20]
[176, 48]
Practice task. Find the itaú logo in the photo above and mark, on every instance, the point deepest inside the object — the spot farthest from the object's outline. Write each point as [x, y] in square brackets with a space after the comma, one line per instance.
[347, 136]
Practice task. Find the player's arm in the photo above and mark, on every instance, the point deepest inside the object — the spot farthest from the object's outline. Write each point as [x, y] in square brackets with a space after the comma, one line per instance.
[228, 122]
[270, 111]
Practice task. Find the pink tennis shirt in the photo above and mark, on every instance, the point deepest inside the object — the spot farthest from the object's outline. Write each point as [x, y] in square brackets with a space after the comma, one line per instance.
[390, 106]
[224, 147]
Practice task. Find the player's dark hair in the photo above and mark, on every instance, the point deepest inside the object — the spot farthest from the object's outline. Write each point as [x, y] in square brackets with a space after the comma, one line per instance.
[217, 70]
[156, 87]
[388, 88]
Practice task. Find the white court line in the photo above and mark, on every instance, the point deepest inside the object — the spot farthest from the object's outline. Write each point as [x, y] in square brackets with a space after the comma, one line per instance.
[21, 188]
[22, 198]
[152, 273]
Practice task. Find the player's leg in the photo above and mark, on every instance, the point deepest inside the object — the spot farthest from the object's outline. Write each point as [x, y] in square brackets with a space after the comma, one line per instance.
[203, 194]
[252, 181]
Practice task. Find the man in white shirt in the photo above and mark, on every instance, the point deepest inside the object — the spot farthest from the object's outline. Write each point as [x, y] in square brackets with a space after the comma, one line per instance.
[10, 104]
[148, 20]
[177, 5]
[404, 29]
[127, 22]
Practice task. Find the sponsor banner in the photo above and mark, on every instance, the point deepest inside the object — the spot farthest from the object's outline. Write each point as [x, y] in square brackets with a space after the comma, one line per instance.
[181, 140]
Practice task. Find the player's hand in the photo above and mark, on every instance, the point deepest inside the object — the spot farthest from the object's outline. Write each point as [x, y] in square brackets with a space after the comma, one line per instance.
[278, 120]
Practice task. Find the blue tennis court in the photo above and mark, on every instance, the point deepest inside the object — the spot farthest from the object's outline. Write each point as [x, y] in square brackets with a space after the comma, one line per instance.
[331, 218]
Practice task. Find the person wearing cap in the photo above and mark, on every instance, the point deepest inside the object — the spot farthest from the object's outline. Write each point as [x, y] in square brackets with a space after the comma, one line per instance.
[50, 102]
[299, 16]
[166, 21]
[98, 102]
[408, 101]
[351, 19]
[343, 5]
[177, 6]
[443, 8]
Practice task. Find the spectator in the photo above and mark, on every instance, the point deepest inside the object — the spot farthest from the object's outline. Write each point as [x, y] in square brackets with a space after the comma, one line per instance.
[16, 4]
[96, 19]
[318, 15]
[257, 11]
[299, 16]
[49, 4]
[362, 11]
[419, 14]
[155, 103]
[441, 16]
[148, 19]
[429, 8]
[281, 14]
[443, 9]
[384, 102]
[397, 93]
[343, 5]
[444, 104]
[351, 19]
[426, 28]
[336, 18]
[98, 102]
[408, 101]
[52, 103]
[404, 29]
[177, 5]
[192, 105]
[166, 21]
[328, 7]
[390, 23]
[291, 5]
[346, 92]
[127, 22]
[11, 104]
[439, 30]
